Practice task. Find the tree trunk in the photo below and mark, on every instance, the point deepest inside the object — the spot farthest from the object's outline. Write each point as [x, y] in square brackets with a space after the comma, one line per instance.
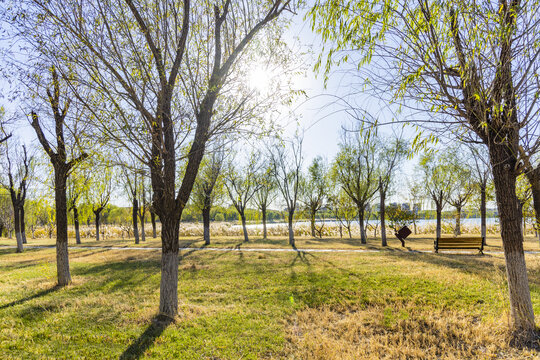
[1, 229]
[62, 254]
[153, 219]
[312, 218]
[414, 226]
[439, 219]
[97, 214]
[457, 230]
[291, 230]
[143, 234]
[504, 177]
[17, 225]
[363, 237]
[206, 225]
[520, 216]
[168, 290]
[534, 179]
[265, 231]
[23, 224]
[244, 228]
[340, 231]
[76, 222]
[383, 218]
[134, 220]
[483, 223]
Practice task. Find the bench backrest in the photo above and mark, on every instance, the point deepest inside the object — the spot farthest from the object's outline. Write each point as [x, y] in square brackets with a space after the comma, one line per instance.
[462, 242]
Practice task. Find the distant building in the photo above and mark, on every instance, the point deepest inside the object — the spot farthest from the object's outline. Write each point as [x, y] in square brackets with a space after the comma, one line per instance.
[405, 207]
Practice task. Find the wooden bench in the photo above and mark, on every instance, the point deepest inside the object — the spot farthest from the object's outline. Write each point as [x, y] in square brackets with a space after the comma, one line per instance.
[462, 242]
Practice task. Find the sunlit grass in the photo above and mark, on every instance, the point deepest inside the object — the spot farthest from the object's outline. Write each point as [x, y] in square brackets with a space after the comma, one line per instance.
[252, 305]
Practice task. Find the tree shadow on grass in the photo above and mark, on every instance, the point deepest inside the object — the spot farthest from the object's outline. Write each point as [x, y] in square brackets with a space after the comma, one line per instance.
[31, 297]
[138, 347]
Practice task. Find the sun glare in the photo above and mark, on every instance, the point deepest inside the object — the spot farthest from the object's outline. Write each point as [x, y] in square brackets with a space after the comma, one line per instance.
[259, 79]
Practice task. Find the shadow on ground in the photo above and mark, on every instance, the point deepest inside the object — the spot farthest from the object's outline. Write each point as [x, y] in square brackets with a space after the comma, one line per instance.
[31, 297]
[138, 347]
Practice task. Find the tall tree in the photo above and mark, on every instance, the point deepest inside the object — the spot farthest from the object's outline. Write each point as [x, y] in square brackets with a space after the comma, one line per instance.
[473, 62]
[265, 195]
[62, 168]
[355, 170]
[76, 188]
[315, 189]
[437, 179]
[18, 183]
[142, 88]
[481, 176]
[391, 154]
[208, 189]
[287, 163]
[461, 184]
[241, 184]
[99, 191]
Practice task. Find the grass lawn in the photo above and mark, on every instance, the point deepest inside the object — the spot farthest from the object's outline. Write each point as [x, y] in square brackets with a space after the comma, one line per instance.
[249, 305]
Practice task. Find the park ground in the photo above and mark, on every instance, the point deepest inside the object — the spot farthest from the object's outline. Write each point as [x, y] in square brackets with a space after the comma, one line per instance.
[393, 304]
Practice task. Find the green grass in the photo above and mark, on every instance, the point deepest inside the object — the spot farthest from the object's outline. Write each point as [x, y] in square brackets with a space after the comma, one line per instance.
[245, 305]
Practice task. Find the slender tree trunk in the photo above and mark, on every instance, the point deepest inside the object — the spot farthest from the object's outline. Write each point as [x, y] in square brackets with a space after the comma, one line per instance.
[265, 231]
[349, 230]
[312, 218]
[414, 226]
[76, 223]
[457, 230]
[244, 228]
[97, 214]
[17, 225]
[62, 254]
[291, 230]
[363, 237]
[168, 294]
[134, 220]
[382, 195]
[483, 222]
[504, 178]
[1, 229]
[23, 224]
[206, 225]
[143, 234]
[153, 219]
[439, 219]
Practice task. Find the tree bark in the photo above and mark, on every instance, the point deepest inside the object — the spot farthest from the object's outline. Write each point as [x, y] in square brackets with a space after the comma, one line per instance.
[62, 254]
[143, 234]
[363, 237]
[17, 226]
[457, 230]
[23, 224]
[244, 228]
[97, 216]
[291, 230]
[439, 220]
[265, 231]
[504, 177]
[134, 220]
[153, 219]
[168, 299]
[206, 225]
[76, 223]
[383, 218]
[483, 222]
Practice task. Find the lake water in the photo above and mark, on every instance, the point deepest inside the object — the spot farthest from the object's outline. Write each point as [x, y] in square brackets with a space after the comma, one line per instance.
[422, 222]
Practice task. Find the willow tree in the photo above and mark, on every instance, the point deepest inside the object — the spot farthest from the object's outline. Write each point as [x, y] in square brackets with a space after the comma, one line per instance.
[315, 189]
[18, 176]
[160, 71]
[63, 163]
[355, 170]
[208, 189]
[475, 64]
